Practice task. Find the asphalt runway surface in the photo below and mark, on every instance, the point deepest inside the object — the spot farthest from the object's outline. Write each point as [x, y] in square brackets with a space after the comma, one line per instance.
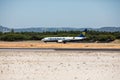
[59, 49]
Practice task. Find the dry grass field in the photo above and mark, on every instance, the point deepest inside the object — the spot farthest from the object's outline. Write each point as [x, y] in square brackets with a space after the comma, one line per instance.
[39, 44]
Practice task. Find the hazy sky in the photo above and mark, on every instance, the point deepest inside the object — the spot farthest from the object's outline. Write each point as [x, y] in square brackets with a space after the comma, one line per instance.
[59, 13]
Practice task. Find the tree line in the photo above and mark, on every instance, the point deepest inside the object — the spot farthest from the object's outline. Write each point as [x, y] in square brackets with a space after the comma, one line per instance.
[92, 36]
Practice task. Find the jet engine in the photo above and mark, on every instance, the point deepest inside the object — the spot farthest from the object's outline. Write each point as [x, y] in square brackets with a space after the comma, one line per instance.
[60, 41]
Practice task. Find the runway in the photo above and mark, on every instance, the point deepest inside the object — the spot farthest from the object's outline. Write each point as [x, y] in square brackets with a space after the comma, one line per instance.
[59, 49]
[59, 64]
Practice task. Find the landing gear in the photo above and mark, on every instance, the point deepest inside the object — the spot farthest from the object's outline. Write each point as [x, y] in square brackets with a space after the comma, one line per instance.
[64, 42]
[45, 42]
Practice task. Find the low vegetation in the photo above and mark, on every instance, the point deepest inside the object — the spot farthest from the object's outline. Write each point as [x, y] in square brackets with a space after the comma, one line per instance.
[92, 36]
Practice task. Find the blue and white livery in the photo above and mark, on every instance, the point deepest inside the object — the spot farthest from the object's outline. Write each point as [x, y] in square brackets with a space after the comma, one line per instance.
[66, 39]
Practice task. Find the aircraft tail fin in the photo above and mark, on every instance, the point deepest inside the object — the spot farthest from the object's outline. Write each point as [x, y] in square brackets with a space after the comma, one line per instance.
[83, 33]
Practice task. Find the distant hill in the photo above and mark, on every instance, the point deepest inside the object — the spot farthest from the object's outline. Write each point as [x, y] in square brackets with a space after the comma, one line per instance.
[109, 29]
[53, 29]
[4, 29]
[42, 29]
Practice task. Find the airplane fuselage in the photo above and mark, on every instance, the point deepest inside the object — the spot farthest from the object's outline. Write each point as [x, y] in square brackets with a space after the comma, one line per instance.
[62, 39]
[66, 39]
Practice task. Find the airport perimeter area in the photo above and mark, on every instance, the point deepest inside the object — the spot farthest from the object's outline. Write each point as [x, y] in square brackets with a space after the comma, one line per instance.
[42, 64]
[35, 60]
[39, 44]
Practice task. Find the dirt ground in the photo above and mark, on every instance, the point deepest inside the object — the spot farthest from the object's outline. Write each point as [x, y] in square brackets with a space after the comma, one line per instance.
[39, 44]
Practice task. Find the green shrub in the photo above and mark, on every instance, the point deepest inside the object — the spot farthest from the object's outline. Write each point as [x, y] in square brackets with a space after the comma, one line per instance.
[106, 38]
[92, 36]
[13, 37]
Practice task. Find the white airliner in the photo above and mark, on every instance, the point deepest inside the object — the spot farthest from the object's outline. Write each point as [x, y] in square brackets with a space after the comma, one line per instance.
[65, 39]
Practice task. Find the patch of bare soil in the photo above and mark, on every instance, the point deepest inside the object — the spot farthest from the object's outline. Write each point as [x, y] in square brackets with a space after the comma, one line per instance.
[39, 44]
